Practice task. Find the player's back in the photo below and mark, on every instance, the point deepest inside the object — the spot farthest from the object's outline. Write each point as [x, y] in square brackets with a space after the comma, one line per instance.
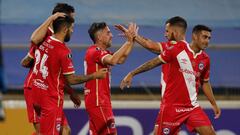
[48, 67]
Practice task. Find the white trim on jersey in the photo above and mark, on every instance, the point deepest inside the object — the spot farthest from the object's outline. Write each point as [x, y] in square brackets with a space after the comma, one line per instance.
[163, 83]
[58, 84]
[53, 38]
[30, 56]
[97, 102]
[103, 58]
[160, 46]
[161, 59]
[194, 54]
[189, 77]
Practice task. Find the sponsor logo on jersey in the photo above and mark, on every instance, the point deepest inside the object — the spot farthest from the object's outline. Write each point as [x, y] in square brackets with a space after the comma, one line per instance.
[40, 84]
[197, 74]
[184, 61]
[184, 109]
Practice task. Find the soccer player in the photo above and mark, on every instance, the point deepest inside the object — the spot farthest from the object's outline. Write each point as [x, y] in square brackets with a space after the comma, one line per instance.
[60, 10]
[188, 69]
[97, 92]
[53, 69]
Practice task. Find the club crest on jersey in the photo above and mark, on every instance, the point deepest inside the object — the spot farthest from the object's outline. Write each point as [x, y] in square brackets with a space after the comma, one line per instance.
[166, 131]
[200, 66]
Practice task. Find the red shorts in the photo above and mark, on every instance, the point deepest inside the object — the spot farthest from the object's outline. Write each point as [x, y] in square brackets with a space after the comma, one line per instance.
[32, 116]
[171, 118]
[101, 121]
[52, 115]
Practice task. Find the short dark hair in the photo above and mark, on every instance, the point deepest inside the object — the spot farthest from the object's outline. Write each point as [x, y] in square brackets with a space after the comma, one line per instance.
[177, 21]
[62, 21]
[94, 28]
[64, 8]
[200, 27]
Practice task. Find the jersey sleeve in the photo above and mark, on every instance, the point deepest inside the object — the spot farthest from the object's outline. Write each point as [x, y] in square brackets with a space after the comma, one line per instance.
[163, 46]
[32, 50]
[168, 54]
[99, 55]
[66, 63]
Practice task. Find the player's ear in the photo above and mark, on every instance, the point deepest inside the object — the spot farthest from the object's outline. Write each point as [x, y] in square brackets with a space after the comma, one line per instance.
[194, 35]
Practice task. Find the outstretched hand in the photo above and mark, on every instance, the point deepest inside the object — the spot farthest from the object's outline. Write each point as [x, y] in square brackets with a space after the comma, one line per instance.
[126, 82]
[129, 33]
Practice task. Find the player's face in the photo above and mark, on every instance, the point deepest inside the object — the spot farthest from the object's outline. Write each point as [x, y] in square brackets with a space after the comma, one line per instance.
[202, 39]
[106, 37]
[69, 33]
[169, 32]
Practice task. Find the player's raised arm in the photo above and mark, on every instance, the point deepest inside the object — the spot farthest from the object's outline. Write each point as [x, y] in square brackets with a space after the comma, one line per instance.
[121, 54]
[150, 45]
[39, 34]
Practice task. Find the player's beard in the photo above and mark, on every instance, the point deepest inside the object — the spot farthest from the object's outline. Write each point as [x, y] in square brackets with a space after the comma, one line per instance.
[109, 44]
[172, 37]
[67, 37]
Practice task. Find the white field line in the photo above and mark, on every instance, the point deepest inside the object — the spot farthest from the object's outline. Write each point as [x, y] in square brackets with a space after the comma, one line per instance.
[120, 104]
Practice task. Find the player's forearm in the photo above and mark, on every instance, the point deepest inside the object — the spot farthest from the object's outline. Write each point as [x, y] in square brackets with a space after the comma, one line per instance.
[207, 89]
[122, 53]
[125, 55]
[68, 89]
[147, 66]
[39, 34]
[148, 44]
[78, 79]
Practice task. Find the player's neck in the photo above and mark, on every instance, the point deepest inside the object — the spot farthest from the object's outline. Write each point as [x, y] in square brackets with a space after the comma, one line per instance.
[194, 47]
[100, 45]
[180, 38]
[58, 36]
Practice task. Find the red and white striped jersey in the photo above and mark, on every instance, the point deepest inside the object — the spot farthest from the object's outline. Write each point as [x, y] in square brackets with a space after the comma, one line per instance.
[185, 73]
[97, 92]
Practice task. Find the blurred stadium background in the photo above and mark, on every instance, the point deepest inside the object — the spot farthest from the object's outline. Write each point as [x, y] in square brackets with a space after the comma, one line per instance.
[19, 18]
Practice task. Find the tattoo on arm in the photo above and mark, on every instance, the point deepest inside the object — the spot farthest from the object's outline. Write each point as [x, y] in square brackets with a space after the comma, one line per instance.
[147, 66]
